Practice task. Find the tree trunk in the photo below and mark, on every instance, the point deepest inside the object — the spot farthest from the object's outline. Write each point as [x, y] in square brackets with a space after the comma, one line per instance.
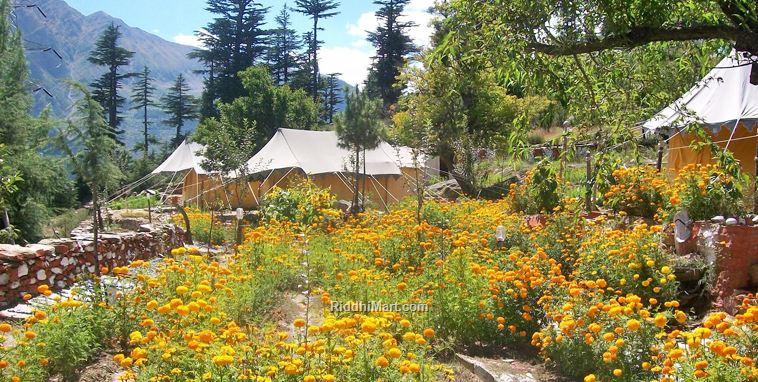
[315, 57]
[96, 228]
[363, 196]
[7, 226]
[355, 208]
[187, 227]
[144, 123]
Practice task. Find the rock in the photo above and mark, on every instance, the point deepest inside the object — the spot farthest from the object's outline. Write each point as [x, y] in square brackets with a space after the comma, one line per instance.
[4, 278]
[687, 273]
[342, 205]
[145, 228]
[755, 219]
[18, 253]
[41, 275]
[731, 221]
[718, 219]
[22, 270]
[448, 189]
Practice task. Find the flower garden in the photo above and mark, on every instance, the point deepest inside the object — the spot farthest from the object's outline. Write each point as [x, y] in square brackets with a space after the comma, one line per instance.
[596, 299]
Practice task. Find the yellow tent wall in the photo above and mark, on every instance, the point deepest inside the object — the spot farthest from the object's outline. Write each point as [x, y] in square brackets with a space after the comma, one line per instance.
[208, 190]
[743, 145]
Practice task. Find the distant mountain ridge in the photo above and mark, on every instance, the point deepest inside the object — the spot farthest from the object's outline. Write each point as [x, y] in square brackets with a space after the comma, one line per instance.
[73, 35]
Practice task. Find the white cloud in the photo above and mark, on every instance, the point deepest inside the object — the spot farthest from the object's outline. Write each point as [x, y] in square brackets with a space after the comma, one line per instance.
[187, 39]
[351, 62]
[366, 22]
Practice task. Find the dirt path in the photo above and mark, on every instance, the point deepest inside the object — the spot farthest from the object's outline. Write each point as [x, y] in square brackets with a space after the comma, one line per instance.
[293, 306]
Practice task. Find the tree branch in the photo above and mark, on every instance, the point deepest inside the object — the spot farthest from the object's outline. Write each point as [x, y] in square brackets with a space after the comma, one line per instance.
[638, 36]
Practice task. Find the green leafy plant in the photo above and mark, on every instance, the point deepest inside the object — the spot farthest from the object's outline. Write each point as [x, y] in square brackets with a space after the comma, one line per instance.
[539, 191]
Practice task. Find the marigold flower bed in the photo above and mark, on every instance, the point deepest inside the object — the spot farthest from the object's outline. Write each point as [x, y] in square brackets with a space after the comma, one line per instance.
[596, 300]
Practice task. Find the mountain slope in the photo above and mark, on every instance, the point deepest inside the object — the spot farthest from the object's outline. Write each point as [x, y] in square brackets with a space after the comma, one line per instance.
[73, 36]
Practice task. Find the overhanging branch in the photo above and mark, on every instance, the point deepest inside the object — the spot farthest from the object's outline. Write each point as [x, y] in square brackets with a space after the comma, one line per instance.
[745, 40]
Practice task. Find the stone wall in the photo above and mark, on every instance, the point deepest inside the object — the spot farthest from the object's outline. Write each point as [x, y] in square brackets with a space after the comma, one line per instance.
[58, 262]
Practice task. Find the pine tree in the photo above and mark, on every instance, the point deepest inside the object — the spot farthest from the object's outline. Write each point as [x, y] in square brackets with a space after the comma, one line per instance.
[358, 130]
[181, 106]
[45, 183]
[285, 43]
[331, 96]
[234, 41]
[393, 45]
[142, 99]
[107, 53]
[316, 10]
[94, 158]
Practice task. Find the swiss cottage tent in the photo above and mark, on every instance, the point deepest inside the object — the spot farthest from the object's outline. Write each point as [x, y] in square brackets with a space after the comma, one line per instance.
[292, 155]
[196, 182]
[726, 103]
[390, 173]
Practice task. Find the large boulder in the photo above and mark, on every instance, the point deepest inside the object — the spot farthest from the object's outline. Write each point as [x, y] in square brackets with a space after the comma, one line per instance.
[448, 189]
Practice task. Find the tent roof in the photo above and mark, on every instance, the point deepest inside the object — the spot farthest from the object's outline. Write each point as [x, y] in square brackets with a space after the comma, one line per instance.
[724, 97]
[318, 152]
[185, 157]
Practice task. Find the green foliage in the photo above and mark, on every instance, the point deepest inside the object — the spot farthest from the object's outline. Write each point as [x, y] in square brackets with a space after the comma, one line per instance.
[134, 201]
[393, 44]
[142, 99]
[45, 183]
[105, 89]
[285, 43]
[706, 191]
[358, 128]
[234, 41]
[539, 191]
[304, 203]
[181, 106]
[62, 224]
[248, 122]
[317, 10]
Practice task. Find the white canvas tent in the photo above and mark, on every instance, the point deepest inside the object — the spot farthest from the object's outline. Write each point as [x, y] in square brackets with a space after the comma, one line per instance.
[724, 101]
[389, 171]
[318, 152]
[185, 157]
[291, 155]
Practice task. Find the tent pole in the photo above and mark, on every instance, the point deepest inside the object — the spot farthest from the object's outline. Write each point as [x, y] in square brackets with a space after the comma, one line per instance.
[659, 161]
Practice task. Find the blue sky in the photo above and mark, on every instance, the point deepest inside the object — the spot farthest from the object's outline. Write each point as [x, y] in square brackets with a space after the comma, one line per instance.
[345, 47]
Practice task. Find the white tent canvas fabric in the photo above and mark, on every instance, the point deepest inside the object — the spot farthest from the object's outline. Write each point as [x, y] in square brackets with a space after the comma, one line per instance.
[318, 152]
[725, 97]
[185, 157]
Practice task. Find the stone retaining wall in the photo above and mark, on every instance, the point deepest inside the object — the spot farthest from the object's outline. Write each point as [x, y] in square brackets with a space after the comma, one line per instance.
[58, 262]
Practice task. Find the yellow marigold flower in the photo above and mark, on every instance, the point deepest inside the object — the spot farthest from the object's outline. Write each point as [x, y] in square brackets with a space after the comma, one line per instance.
[382, 362]
[633, 325]
[660, 320]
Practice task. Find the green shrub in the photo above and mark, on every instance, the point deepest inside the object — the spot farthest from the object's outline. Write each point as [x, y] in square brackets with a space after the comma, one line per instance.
[302, 203]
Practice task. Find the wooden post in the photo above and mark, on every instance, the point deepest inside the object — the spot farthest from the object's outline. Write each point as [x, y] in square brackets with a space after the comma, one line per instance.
[659, 160]
[564, 153]
[149, 210]
[588, 191]
[210, 234]
[755, 182]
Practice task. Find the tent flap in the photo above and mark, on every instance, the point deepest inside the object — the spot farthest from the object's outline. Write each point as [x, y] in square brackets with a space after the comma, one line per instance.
[724, 97]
